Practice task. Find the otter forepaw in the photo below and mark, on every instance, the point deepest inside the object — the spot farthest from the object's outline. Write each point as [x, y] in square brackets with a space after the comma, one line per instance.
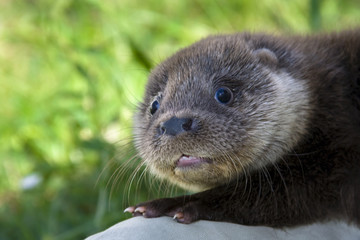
[180, 209]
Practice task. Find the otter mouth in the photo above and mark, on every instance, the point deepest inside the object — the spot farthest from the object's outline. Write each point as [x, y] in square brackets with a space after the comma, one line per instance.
[186, 161]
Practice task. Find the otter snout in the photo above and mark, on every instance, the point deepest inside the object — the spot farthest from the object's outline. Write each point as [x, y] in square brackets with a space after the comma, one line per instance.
[174, 126]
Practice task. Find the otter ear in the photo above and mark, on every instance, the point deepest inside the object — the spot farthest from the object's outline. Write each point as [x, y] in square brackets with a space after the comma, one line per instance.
[266, 56]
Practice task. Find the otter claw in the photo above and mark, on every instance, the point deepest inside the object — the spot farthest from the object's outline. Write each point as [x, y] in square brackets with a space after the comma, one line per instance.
[129, 210]
[179, 217]
[141, 209]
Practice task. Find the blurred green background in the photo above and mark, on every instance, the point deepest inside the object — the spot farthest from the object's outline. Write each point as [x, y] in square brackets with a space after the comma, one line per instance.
[71, 73]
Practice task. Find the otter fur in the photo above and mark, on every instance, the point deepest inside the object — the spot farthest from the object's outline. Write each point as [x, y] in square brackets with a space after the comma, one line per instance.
[266, 129]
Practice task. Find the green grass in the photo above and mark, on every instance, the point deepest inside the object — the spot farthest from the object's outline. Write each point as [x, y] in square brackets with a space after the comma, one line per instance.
[71, 73]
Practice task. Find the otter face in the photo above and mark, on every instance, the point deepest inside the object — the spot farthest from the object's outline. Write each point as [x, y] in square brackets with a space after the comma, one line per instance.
[218, 109]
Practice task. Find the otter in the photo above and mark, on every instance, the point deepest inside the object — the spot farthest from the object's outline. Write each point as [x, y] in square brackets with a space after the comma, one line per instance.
[265, 128]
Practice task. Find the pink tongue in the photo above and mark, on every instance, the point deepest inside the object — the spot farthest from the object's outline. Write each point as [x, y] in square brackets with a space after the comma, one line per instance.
[185, 161]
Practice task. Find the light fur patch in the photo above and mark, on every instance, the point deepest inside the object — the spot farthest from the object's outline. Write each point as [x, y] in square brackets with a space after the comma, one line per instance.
[287, 118]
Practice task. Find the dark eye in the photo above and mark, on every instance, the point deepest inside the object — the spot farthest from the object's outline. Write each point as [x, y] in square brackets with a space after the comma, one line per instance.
[154, 106]
[223, 95]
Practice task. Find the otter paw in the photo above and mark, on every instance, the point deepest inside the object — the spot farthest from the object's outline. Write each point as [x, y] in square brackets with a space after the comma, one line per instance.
[155, 208]
[181, 210]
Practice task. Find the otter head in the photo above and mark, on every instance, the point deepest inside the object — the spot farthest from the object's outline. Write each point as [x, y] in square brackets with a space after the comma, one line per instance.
[217, 109]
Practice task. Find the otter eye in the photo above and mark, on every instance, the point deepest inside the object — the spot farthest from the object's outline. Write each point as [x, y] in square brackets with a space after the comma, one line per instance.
[223, 95]
[154, 106]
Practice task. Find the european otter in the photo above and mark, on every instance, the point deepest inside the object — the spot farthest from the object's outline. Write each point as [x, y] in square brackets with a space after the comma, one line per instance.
[267, 127]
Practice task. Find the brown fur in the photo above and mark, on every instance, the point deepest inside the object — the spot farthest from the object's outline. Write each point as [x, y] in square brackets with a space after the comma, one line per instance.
[285, 151]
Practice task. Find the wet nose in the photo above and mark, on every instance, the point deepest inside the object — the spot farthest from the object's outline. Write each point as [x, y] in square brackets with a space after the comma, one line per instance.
[175, 126]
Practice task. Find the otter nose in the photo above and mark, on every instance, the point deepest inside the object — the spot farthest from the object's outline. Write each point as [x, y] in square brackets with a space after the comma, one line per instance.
[175, 126]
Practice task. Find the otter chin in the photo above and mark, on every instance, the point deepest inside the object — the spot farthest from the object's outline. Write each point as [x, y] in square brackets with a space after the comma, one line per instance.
[189, 172]
[256, 124]
[195, 173]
